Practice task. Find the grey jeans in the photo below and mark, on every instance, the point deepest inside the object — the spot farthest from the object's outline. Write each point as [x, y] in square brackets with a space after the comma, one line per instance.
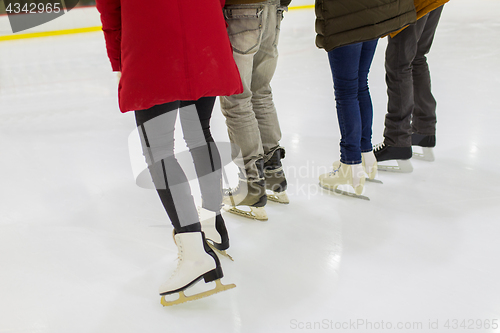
[251, 117]
[411, 106]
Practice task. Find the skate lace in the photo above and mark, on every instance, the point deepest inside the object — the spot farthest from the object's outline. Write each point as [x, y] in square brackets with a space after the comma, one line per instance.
[179, 261]
[332, 173]
[378, 146]
[230, 191]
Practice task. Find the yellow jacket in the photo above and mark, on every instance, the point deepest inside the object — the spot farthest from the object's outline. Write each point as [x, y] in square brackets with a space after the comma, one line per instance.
[423, 7]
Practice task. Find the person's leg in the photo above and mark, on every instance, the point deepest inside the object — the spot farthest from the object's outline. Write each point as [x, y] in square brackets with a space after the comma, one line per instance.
[156, 130]
[245, 32]
[364, 98]
[400, 53]
[368, 158]
[344, 64]
[424, 113]
[196, 259]
[264, 66]
[195, 120]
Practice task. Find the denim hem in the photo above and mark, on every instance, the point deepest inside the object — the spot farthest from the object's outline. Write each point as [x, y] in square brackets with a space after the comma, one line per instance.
[366, 151]
[350, 162]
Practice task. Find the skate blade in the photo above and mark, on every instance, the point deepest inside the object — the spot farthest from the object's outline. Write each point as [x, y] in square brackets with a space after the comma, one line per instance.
[256, 213]
[404, 166]
[221, 252]
[352, 195]
[374, 181]
[219, 287]
[346, 193]
[279, 197]
[426, 155]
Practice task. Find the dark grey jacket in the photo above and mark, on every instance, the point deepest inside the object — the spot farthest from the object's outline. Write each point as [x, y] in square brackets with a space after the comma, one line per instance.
[343, 22]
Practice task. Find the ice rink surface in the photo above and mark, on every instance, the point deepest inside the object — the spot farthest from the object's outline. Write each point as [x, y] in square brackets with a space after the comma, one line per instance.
[83, 249]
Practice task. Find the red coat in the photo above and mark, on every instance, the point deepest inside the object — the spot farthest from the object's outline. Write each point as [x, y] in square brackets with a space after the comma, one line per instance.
[168, 50]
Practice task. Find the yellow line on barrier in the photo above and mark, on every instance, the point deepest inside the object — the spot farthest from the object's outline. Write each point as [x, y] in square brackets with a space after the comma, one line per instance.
[82, 30]
[301, 7]
[50, 33]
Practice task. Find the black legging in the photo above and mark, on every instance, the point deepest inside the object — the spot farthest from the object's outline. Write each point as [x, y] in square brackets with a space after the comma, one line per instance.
[156, 130]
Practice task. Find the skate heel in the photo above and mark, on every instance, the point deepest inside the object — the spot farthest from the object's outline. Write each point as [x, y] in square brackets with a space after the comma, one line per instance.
[426, 155]
[277, 187]
[280, 197]
[369, 162]
[262, 202]
[358, 189]
[213, 275]
[220, 246]
[259, 213]
[371, 171]
[404, 166]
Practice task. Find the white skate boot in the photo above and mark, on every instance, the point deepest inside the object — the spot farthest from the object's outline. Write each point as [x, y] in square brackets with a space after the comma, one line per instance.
[196, 261]
[343, 174]
[212, 224]
[369, 162]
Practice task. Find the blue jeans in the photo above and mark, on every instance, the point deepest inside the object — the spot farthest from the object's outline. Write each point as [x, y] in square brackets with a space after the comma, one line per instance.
[350, 65]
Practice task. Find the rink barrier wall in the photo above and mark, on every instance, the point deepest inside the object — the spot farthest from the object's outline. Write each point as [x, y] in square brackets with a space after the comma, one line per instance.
[50, 33]
[84, 30]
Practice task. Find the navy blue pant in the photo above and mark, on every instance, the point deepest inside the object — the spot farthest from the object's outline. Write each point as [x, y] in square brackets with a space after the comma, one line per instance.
[350, 65]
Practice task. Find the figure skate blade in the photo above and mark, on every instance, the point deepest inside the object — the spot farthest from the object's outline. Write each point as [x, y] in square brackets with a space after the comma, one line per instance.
[219, 287]
[255, 213]
[346, 193]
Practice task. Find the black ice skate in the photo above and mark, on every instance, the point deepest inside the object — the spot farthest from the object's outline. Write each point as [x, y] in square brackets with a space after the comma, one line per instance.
[275, 177]
[427, 142]
[401, 155]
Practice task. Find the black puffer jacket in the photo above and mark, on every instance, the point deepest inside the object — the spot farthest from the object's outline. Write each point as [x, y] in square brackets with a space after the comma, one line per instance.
[343, 22]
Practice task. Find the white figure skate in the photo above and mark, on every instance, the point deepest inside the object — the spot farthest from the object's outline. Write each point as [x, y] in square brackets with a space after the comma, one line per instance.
[343, 174]
[196, 261]
[369, 162]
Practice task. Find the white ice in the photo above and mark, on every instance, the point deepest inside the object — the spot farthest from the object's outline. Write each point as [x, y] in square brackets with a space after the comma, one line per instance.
[83, 249]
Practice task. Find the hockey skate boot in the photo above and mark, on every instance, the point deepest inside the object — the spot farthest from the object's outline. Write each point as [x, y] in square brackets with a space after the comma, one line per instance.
[369, 162]
[401, 155]
[344, 174]
[196, 261]
[247, 193]
[212, 224]
[275, 177]
[427, 142]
